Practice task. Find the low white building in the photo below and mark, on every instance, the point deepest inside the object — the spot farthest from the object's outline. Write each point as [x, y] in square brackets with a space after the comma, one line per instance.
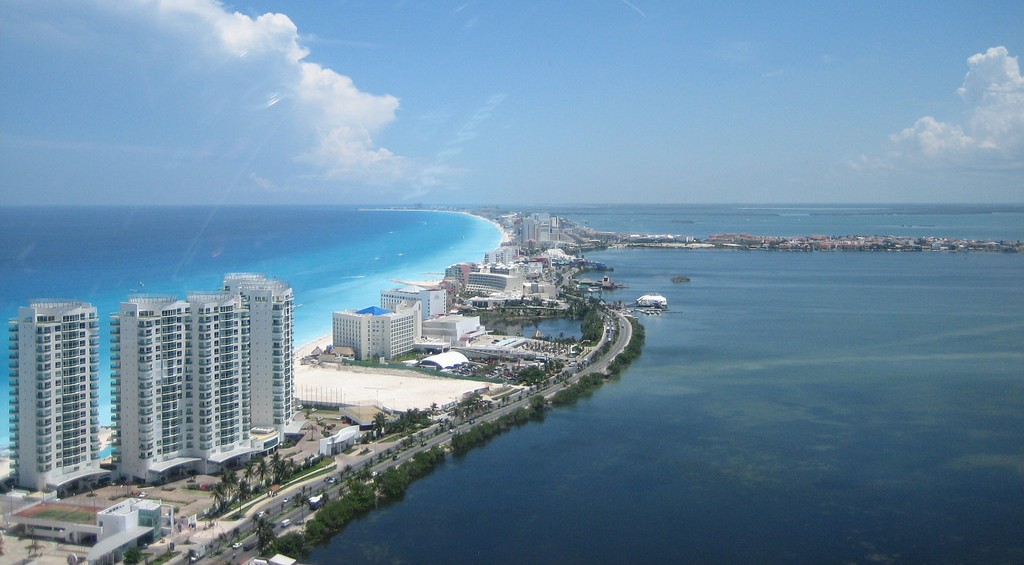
[544, 291]
[343, 439]
[453, 329]
[375, 332]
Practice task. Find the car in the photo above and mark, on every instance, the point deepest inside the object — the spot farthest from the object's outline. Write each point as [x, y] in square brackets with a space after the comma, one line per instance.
[286, 500]
[236, 545]
[261, 513]
[286, 522]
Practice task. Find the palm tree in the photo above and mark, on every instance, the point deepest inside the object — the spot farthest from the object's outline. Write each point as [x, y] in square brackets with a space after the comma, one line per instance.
[264, 535]
[220, 496]
[281, 468]
[379, 421]
[250, 469]
[262, 470]
[244, 488]
[230, 482]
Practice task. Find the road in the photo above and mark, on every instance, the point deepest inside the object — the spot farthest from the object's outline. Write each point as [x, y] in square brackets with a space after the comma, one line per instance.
[617, 331]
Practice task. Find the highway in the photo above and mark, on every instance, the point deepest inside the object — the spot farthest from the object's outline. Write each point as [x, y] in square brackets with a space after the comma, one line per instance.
[617, 331]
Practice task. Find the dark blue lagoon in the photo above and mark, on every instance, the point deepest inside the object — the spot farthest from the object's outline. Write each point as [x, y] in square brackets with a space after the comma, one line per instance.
[789, 408]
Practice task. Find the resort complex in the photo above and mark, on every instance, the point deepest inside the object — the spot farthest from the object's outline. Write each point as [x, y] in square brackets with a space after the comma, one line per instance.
[211, 383]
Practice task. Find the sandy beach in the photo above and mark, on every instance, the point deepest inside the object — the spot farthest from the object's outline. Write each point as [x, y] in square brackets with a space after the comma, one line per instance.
[393, 389]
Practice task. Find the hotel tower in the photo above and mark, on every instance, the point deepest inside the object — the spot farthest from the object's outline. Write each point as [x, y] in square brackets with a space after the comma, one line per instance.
[272, 347]
[54, 387]
[199, 382]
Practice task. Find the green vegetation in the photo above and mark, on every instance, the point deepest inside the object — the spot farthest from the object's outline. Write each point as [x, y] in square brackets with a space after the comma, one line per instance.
[164, 557]
[482, 433]
[66, 514]
[584, 386]
[364, 494]
[531, 376]
[360, 499]
[132, 555]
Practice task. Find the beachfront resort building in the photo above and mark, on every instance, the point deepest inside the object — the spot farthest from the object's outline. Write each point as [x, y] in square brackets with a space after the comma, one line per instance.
[54, 388]
[271, 347]
[201, 381]
[457, 275]
[149, 355]
[493, 278]
[433, 301]
[377, 333]
[181, 384]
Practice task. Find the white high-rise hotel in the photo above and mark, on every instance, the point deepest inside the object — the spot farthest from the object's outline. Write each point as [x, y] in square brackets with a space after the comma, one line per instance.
[272, 346]
[54, 370]
[191, 378]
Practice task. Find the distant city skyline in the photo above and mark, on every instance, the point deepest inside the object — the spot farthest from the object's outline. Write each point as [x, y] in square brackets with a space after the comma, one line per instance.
[452, 103]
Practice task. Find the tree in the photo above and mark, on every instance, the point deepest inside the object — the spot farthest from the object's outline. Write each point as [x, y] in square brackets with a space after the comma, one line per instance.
[220, 496]
[34, 546]
[230, 482]
[262, 470]
[264, 535]
[132, 555]
[251, 470]
[379, 421]
[277, 467]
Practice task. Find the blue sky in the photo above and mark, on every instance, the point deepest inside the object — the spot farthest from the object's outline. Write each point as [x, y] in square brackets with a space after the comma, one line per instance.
[200, 102]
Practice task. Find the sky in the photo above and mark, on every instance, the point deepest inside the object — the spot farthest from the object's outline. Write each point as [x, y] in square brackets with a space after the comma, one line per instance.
[524, 102]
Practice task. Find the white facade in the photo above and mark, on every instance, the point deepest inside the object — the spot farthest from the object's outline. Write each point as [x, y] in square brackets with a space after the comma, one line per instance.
[453, 329]
[181, 382]
[505, 254]
[220, 380]
[272, 347]
[487, 280]
[378, 333]
[433, 301]
[54, 387]
[544, 291]
[150, 354]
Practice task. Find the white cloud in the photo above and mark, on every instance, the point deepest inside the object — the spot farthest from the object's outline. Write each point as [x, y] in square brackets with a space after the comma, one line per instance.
[202, 80]
[991, 134]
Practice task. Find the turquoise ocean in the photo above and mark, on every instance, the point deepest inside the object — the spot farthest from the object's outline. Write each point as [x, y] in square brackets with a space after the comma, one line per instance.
[335, 258]
[789, 408]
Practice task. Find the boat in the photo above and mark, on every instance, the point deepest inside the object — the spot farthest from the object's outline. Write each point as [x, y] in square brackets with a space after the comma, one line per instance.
[652, 301]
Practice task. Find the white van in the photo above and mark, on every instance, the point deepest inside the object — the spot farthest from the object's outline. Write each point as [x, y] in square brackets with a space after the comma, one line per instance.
[286, 522]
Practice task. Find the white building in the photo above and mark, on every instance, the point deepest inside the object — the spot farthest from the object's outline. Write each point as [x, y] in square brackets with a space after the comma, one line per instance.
[544, 291]
[374, 332]
[343, 439]
[433, 301]
[271, 345]
[124, 525]
[181, 383]
[54, 387]
[150, 356]
[491, 279]
[220, 381]
[505, 254]
[453, 329]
